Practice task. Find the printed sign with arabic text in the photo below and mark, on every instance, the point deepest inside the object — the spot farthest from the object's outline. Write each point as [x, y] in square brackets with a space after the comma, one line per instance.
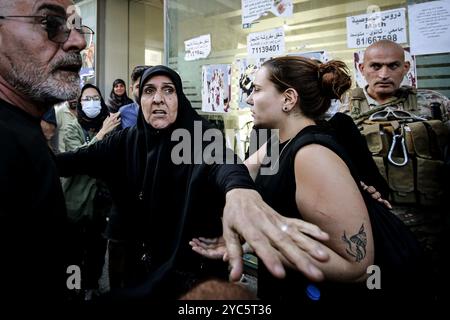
[365, 29]
[429, 27]
[197, 48]
[253, 10]
[266, 43]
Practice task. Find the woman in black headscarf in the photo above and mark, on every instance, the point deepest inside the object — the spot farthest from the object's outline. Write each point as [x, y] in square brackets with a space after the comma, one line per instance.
[118, 96]
[160, 204]
[91, 111]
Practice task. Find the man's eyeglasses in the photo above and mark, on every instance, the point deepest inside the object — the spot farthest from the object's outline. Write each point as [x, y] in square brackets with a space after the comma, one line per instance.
[390, 114]
[89, 98]
[57, 28]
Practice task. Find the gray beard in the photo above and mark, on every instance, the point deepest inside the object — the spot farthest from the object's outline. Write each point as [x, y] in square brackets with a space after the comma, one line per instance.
[32, 82]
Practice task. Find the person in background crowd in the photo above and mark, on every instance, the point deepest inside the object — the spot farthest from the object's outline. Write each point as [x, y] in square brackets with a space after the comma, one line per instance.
[49, 128]
[87, 199]
[118, 96]
[129, 112]
[92, 112]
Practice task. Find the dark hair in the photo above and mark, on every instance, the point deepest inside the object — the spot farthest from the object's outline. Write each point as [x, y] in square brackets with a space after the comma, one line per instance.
[316, 83]
[116, 82]
[114, 101]
[138, 71]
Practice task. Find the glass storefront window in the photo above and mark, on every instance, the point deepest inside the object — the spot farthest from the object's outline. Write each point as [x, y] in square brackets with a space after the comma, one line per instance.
[318, 25]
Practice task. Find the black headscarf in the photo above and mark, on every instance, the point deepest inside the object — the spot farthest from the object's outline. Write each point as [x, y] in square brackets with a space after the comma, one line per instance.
[115, 101]
[86, 122]
[186, 115]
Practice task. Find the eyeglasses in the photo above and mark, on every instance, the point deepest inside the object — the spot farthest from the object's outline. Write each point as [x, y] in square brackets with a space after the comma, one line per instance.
[89, 98]
[57, 28]
[391, 114]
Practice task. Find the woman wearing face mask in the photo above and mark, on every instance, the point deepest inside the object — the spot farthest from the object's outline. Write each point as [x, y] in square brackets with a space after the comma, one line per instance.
[92, 112]
[118, 96]
[84, 122]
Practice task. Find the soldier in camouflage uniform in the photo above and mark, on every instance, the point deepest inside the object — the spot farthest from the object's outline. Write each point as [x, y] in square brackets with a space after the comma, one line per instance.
[418, 173]
[408, 152]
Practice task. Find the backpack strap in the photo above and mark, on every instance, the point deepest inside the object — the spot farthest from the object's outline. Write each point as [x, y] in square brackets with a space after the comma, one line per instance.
[358, 103]
[406, 97]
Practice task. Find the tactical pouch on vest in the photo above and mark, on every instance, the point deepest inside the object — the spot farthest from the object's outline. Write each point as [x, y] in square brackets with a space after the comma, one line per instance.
[401, 182]
[374, 141]
[427, 138]
[377, 139]
[420, 140]
[417, 181]
[420, 179]
[430, 181]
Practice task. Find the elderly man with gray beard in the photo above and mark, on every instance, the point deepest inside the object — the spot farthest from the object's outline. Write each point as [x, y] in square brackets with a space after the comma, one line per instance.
[39, 64]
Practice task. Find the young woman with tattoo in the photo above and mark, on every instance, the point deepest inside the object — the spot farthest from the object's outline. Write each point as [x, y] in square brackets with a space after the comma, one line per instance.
[308, 180]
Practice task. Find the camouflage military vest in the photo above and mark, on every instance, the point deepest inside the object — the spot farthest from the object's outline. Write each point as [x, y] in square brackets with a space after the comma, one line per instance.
[409, 154]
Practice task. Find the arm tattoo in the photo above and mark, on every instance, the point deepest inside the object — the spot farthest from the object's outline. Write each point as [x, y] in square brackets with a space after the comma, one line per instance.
[356, 244]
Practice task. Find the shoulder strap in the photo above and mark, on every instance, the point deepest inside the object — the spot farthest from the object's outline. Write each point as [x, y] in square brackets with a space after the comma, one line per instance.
[357, 101]
[406, 96]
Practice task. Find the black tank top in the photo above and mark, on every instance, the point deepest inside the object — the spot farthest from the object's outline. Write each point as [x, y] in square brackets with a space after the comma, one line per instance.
[278, 190]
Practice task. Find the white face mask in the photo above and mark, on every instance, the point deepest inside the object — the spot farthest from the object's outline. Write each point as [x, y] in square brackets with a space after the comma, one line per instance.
[91, 108]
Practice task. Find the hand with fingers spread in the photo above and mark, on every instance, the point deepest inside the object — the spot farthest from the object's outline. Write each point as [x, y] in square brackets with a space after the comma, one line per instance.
[274, 238]
[375, 194]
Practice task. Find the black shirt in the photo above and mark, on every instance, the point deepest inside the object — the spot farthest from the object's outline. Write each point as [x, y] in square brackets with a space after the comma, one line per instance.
[32, 211]
[278, 190]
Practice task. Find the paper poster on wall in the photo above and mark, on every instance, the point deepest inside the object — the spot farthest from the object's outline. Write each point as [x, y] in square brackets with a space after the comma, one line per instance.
[216, 88]
[322, 56]
[410, 78]
[252, 10]
[365, 29]
[197, 48]
[87, 72]
[429, 27]
[247, 71]
[265, 44]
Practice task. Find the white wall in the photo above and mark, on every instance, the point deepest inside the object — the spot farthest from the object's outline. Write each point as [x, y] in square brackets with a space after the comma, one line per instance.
[123, 41]
[116, 43]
